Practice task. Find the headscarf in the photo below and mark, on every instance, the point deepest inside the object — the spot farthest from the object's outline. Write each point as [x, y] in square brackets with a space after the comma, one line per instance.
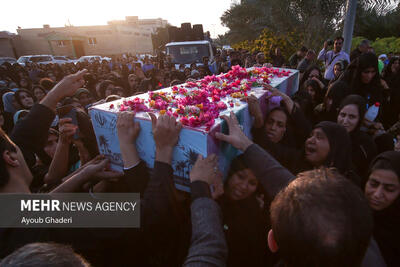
[337, 92]
[352, 76]
[363, 148]
[19, 115]
[340, 146]
[18, 98]
[384, 142]
[387, 221]
[361, 107]
[7, 102]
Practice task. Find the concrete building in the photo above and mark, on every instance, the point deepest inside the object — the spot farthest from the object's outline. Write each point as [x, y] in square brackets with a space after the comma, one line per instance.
[131, 35]
[8, 44]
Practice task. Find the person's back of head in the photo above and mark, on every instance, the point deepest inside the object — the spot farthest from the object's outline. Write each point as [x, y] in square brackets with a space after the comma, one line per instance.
[320, 219]
[44, 255]
[364, 46]
[46, 83]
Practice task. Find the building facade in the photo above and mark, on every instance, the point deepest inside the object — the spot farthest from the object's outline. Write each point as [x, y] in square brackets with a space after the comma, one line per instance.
[131, 35]
[8, 44]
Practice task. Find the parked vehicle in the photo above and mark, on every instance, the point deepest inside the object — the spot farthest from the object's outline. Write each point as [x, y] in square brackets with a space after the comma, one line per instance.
[10, 60]
[92, 59]
[61, 60]
[42, 59]
[189, 52]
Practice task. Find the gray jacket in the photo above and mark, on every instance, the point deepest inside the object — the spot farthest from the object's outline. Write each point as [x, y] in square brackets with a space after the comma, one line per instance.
[208, 246]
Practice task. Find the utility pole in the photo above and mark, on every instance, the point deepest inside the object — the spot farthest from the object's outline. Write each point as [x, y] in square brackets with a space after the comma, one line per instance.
[350, 18]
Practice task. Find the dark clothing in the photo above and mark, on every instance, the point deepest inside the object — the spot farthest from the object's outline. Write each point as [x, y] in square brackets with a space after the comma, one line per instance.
[277, 61]
[31, 132]
[274, 178]
[303, 65]
[246, 229]
[164, 221]
[355, 54]
[297, 130]
[363, 150]
[387, 221]
[339, 155]
[393, 81]
[294, 60]
[208, 245]
[100, 246]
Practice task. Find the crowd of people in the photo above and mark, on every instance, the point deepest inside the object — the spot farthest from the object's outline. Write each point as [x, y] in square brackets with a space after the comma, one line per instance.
[317, 185]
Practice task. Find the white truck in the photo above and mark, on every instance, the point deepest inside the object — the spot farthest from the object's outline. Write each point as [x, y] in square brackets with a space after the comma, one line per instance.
[189, 52]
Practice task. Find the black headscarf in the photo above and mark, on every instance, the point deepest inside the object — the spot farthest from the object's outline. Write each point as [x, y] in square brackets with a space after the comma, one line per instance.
[337, 92]
[244, 225]
[363, 147]
[372, 92]
[340, 147]
[387, 221]
[361, 107]
[384, 142]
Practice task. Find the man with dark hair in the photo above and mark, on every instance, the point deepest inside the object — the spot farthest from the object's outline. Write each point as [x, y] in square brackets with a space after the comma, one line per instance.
[320, 219]
[295, 59]
[362, 48]
[331, 57]
[44, 255]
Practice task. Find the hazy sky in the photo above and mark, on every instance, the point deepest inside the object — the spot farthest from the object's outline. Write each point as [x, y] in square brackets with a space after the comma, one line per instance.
[33, 14]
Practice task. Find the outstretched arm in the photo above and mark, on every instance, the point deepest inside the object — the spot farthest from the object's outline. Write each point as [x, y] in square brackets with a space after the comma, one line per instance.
[272, 175]
[208, 246]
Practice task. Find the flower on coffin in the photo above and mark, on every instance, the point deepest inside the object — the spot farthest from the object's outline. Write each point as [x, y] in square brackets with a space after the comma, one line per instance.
[137, 105]
[221, 105]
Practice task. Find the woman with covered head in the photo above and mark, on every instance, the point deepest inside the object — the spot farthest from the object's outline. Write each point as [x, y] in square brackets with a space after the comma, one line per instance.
[327, 111]
[314, 73]
[284, 125]
[350, 116]
[362, 76]
[328, 145]
[391, 78]
[24, 98]
[38, 92]
[383, 193]
[244, 217]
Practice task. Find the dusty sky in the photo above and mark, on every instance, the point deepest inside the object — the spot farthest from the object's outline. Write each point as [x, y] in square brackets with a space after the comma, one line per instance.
[33, 14]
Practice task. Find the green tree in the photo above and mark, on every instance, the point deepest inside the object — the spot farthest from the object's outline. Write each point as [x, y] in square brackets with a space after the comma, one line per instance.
[381, 21]
[314, 20]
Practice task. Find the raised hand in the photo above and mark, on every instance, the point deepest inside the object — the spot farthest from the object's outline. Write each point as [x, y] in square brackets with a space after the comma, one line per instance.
[128, 131]
[166, 135]
[70, 84]
[285, 98]
[66, 87]
[255, 111]
[236, 137]
[205, 169]
[67, 130]
[97, 169]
